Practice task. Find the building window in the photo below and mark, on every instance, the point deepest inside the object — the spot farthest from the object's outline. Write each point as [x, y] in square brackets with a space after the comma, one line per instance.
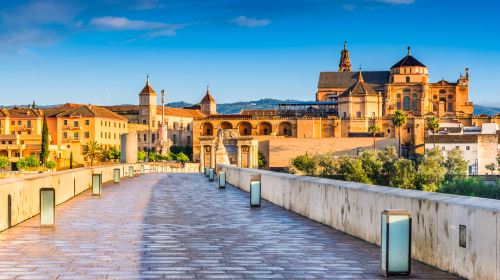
[442, 91]
[188, 127]
[358, 114]
[75, 135]
[398, 105]
[408, 129]
[75, 123]
[65, 122]
[174, 139]
[87, 135]
[450, 107]
[153, 138]
[143, 121]
[188, 139]
[435, 97]
[28, 124]
[345, 115]
[19, 122]
[145, 137]
[65, 135]
[406, 103]
[407, 79]
[467, 148]
[87, 122]
[414, 105]
[450, 96]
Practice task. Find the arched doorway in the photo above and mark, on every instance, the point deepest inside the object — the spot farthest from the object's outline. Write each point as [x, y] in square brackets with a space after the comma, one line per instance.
[265, 128]
[207, 129]
[245, 128]
[285, 129]
[225, 125]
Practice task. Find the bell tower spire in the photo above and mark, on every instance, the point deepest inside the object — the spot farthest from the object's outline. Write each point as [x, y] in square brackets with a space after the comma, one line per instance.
[345, 60]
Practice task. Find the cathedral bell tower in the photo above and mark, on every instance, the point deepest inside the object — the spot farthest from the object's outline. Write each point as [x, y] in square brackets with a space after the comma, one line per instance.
[345, 60]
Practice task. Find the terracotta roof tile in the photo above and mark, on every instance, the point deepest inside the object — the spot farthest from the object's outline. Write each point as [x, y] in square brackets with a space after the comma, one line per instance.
[91, 111]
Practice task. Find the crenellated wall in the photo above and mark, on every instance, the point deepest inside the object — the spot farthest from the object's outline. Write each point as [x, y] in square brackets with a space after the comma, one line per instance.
[356, 208]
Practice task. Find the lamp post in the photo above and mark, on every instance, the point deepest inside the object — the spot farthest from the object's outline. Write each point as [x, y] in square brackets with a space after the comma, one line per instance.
[255, 192]
[222, 179]
[96, 184]
[395, 247]
[47, 207]
[116, 175]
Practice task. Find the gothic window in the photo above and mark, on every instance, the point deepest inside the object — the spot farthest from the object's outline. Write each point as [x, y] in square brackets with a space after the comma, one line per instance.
[407, 79]
[406, 103]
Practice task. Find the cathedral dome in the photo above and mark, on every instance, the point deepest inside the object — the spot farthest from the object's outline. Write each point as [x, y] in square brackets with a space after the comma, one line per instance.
[408, 61]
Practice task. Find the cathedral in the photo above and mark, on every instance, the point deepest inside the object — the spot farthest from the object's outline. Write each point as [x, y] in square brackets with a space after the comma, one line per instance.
[406, 87]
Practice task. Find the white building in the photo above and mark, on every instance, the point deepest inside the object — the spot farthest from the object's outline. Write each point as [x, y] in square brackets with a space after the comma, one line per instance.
[479, 144]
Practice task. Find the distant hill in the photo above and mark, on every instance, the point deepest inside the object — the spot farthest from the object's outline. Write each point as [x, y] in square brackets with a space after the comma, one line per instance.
[491, 111]
[236, 107]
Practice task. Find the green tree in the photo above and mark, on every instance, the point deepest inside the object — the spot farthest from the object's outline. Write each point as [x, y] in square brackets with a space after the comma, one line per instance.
[327, 166]
[71, 160]
[141, 155]
[4, 161]
[50, 164]
[351, 169]
[456, 166]
[115, 153]
[388, 158]
[262, 160]
[373, 166]
[44, 153]
[374, 129]
[491, 167]
[182, 157]
[399, 120]
[433, 126]
[106, 155]
[305, 164]
[92, 151]
[27, 163]
[403, 175]
[431, 171]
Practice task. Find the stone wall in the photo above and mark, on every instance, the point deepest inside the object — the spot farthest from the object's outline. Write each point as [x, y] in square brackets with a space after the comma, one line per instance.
[356, 208]
[25, 192]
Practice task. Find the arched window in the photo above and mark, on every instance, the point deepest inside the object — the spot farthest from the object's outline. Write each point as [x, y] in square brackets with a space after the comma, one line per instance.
[245, 128]
[207, 129]
[407, 79]
[285, 129]
[406, 103]
[265, 128]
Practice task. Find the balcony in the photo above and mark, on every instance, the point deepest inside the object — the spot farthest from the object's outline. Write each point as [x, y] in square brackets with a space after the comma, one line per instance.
[72, 127]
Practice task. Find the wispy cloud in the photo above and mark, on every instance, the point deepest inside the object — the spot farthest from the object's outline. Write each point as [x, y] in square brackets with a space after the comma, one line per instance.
[38, 24]
[250, 22]
[397, 2]
[154, 29]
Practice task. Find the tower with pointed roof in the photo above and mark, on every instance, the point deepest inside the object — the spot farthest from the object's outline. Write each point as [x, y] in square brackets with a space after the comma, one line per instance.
[360, 100]
[208, 104]
[147, 105]
[345, 60]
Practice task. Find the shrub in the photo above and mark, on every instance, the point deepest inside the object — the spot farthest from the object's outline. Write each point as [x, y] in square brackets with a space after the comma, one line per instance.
[262, 160]
[471, 187]
[181, 157]
[141, 155]
[4, 161]
[50, 164]
[305, 164]
[351, 169]
[27, 163]
[404, 175]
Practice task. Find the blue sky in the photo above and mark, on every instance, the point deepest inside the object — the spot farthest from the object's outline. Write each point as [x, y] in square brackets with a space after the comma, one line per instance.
[56, 51]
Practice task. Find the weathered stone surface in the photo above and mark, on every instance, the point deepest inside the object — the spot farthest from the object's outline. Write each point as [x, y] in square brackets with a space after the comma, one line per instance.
[355, 209]
[179, 226]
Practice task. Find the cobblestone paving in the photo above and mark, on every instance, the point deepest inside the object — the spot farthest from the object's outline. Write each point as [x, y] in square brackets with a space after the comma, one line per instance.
[178, 226]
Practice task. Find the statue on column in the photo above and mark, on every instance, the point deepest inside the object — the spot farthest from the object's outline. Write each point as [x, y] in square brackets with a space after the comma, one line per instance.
[221, 156]
[164, 143]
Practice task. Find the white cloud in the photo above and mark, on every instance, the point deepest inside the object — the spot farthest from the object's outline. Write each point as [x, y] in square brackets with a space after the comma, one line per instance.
[154, 29]
[250, 22]
[397, 2]
[123, 23]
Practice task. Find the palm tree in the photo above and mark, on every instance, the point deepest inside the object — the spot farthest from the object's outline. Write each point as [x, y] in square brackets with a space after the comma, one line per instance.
[399, 120]
[92, 150]
[433, 125]
[374, 129]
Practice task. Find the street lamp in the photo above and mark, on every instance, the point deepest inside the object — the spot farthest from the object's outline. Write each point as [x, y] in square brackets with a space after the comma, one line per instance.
[222, 179]
[255, 192]
[96, 184]
[47, 207]
[395, 247]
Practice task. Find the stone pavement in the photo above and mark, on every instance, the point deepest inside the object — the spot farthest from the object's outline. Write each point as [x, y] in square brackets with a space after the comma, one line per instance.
[179, 226]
